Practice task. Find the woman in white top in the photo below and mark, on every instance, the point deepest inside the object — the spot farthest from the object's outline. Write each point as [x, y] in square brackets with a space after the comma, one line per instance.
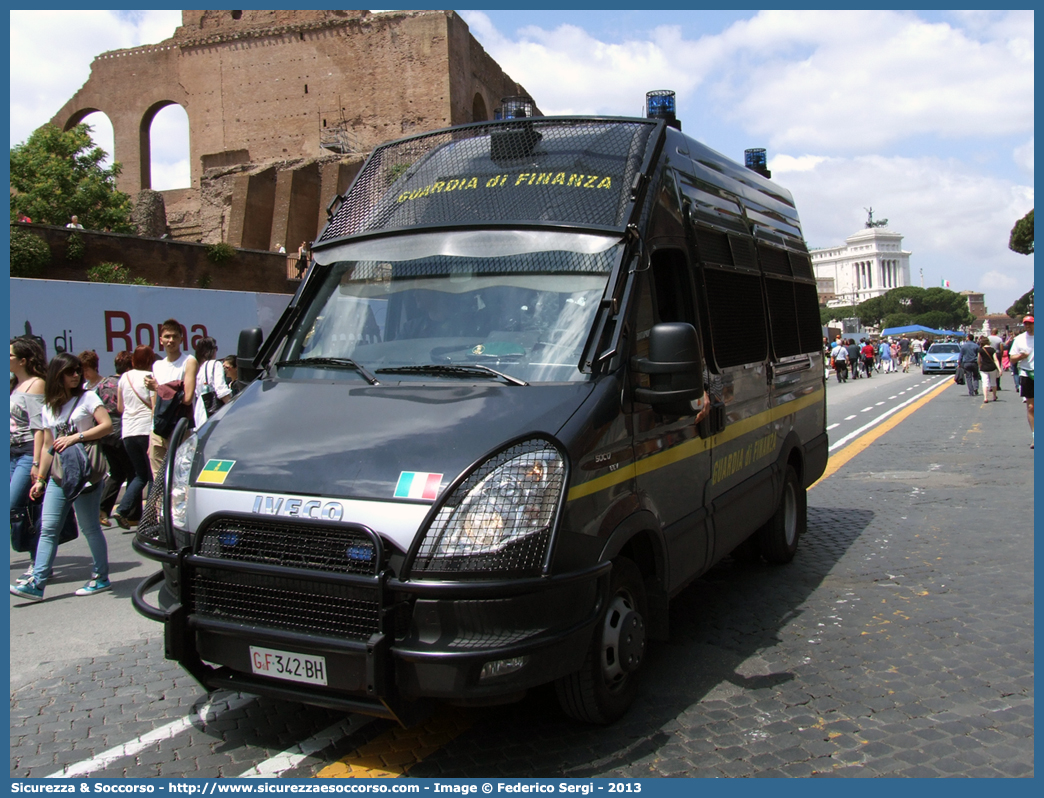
[135, 403]
[70, 415]
[210, 378]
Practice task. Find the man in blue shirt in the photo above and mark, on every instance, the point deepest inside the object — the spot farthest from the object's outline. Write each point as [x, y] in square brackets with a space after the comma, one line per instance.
[970, 364]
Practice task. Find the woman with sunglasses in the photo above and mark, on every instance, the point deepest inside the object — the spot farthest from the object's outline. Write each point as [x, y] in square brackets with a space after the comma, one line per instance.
[70, 415]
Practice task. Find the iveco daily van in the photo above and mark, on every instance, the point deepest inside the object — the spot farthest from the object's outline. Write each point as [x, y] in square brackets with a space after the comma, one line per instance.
[543, 373]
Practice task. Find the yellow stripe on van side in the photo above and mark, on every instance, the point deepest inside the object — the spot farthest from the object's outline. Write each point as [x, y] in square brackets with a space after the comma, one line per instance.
[694, 446]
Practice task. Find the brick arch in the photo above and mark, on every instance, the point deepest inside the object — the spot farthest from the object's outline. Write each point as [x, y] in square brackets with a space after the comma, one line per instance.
[145, 139]
[479, 112]
[77, 117]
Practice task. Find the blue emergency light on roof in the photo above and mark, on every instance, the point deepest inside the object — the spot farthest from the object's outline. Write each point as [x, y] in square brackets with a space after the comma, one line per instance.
[659, 104]
[756, 160]
[517, 107]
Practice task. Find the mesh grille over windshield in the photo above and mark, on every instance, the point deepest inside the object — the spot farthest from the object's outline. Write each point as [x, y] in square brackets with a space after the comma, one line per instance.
[539, 170]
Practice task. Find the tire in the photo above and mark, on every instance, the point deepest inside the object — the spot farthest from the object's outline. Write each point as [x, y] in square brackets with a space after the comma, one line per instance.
[779, 536]
[606, 684]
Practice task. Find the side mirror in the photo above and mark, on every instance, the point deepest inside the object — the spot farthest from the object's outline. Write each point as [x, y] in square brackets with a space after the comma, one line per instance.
[246, 352]
[674, 366]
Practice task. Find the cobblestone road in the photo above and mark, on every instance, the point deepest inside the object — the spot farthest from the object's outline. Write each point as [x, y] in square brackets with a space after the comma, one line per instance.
[898, 643]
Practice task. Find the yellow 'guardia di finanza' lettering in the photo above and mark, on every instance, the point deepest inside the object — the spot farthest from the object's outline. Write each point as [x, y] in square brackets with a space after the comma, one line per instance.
[728, 465]
[497, 181]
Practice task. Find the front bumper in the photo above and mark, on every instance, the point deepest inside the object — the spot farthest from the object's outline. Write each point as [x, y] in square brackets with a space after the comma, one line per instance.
[933, 366]
[416, 640]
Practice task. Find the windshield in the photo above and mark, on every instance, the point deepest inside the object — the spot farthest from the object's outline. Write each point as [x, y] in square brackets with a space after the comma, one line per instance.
[944, 349]
[519, 303]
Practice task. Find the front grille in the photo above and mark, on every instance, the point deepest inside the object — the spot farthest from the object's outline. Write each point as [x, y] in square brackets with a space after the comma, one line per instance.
[320, 548]
[287, 602]
[278, 602]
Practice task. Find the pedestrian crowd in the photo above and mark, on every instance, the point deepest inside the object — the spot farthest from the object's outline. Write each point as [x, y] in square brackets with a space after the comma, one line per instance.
[982, 361]
[78, 438]
[850, 359]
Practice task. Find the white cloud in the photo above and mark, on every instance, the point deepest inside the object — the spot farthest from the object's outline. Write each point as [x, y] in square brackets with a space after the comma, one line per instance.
[566, 69]
[849, 90]
[874, 78]
[1024, 156]
[829, 81]
[42, 83]
[784, 164]
[954, 220]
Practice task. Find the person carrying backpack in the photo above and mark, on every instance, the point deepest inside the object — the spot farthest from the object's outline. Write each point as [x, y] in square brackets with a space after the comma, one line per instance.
[120, 468]
[175, 367]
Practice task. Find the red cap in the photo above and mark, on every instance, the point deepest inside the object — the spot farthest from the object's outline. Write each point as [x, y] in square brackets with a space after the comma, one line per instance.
[1027, 320]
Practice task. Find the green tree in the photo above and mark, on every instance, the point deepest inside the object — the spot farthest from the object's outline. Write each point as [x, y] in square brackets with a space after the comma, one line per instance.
[897, 320]
[29, 254]
[827, 315]
[910, 304]
[871, 311]
[936, 319]
[56, 174]
[1021, 238]
[1022, 306]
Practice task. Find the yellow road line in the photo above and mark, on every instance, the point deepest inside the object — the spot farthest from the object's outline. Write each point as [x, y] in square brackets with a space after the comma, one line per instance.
[861, 444]
[394, 752]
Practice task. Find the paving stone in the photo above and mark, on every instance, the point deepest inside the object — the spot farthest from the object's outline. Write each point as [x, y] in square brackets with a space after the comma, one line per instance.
[946, 691]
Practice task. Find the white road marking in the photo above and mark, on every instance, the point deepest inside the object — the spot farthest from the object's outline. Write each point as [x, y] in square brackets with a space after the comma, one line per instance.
[292, 757]
[849, 418]
[896, 397]
[104, 759]
[865, 409]
[832, 426]
[853, 435]
[878, 404]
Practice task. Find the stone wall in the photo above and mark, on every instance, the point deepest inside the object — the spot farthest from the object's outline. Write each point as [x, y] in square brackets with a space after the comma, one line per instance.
[164, 262]
[265, 89]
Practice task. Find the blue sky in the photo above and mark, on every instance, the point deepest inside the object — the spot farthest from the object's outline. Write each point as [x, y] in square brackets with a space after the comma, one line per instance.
[925, 116]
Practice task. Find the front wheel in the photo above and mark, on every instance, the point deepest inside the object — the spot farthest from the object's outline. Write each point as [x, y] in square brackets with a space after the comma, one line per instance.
[779, 536]
[605, 686]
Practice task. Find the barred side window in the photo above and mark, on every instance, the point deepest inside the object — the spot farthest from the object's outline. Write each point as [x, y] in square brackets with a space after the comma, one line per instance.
[782, 317]
[806, 300]
[736, 316]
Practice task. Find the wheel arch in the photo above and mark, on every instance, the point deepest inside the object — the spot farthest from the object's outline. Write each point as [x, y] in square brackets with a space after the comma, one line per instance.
[792, 453]
[640, 539]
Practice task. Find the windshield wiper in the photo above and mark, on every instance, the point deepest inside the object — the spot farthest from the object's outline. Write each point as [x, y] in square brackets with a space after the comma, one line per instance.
[332, 362]
[460, 370]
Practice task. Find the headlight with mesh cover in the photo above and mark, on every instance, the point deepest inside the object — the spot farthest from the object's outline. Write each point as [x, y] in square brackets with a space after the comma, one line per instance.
[498, 520]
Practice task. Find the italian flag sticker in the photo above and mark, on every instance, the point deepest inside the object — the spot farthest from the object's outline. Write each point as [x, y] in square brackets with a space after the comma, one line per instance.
[418, 485]
[215, 471]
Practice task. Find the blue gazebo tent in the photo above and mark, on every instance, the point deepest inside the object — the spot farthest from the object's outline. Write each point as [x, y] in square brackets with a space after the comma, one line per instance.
[918, 328]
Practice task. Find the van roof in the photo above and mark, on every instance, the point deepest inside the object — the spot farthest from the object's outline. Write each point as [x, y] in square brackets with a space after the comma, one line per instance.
[578, 172]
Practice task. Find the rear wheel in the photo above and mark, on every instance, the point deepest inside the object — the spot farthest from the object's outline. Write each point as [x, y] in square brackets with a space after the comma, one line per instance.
[778, 538]
[605, 686]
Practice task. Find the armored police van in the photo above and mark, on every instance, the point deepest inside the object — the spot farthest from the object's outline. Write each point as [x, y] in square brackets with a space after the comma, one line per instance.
[543, 373]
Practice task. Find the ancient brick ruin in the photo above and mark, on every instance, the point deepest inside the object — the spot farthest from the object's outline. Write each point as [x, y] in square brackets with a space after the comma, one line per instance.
[282, 108]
